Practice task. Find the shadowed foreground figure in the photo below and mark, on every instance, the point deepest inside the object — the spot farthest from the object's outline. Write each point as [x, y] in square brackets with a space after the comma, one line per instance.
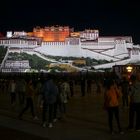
[29, 100]
[125, 91]
[111, 103]
[50, 92]
[134, 108]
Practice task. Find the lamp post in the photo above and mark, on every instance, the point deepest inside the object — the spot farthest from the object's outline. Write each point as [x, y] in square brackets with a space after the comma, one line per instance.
[129, 69]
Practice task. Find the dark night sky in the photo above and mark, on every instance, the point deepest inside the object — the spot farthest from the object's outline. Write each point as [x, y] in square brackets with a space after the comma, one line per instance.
[111, 17]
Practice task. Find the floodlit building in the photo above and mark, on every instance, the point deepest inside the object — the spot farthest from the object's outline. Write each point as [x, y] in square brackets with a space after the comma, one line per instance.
[15, 66]
[51, 34]
[63, 41]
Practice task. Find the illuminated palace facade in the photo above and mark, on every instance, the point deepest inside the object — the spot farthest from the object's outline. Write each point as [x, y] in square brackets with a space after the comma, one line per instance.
[64, 41]
[51, 34]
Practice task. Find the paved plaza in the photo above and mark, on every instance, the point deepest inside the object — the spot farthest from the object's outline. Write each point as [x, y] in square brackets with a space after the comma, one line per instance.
[85, 120]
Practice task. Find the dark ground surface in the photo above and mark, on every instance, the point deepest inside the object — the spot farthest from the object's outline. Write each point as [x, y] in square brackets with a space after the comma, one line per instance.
[85, 120]
[12, 134]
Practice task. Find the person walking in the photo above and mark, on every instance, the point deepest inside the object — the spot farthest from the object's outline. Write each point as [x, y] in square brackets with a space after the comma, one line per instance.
[111, 103]
[29, 100]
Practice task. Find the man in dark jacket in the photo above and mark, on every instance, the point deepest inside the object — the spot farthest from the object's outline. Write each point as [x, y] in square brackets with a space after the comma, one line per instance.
[50, 92]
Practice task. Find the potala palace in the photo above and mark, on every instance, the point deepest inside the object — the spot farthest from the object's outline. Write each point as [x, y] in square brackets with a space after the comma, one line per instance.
[64, 41]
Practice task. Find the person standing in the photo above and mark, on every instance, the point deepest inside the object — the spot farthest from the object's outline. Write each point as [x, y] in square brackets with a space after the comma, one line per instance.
[64, 96]
[50, 92]
[83, 86]
[89, 86]
[125, 91]
[21, 89]
[71, 84]
[134, 107]
[13, 92]
[111, 103]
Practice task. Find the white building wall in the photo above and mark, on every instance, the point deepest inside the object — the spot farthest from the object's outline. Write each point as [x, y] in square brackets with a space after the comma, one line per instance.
[135, 56]
[106, 39]
[97, 46]
[129, 45]
[77, 51]
[21, 45]
[63, 50]
[108, 48]
[121, 51]
[96, 55]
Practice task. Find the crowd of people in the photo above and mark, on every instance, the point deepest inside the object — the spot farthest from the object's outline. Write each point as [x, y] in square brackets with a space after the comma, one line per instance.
[128, 90]
[49, 96]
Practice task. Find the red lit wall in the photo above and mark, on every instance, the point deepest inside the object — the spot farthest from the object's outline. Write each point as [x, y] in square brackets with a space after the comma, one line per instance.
[52, 33]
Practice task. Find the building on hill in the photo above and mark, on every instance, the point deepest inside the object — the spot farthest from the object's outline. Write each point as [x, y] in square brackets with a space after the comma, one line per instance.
[63, 41]
[15, 66]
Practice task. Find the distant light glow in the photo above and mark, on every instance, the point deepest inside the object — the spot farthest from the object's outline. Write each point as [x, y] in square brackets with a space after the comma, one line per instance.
[9, 34]
[129, 68]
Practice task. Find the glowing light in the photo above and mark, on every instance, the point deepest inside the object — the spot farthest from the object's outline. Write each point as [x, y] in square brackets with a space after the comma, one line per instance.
[129, 68]
[51, 33]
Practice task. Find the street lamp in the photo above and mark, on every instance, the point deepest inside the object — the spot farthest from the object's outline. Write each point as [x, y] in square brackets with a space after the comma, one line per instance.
[129, 69]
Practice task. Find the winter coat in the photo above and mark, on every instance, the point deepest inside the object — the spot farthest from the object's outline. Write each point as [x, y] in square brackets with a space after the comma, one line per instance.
[50, 92]
[112, 97]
